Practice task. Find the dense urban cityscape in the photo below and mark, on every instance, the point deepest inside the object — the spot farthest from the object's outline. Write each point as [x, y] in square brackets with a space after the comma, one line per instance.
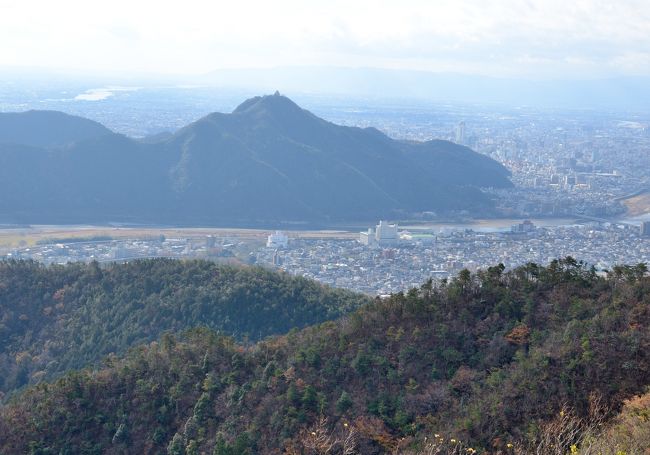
[385, 266]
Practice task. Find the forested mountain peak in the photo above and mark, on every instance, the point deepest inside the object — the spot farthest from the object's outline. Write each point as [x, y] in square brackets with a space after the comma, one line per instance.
[47, 128]
[275, 104]
[268, 162]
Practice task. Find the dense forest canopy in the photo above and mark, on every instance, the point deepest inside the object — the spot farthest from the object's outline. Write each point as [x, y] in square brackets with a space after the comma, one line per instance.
[57, 318]
[484, 363]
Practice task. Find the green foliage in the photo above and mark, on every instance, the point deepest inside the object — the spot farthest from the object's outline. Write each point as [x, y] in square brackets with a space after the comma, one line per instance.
[241, 446]
[362, 363]
[201, 408]
[293, 398]
[309, 399]
[176, 446]
[343, 403]
[488, 358]
[57, 318]
[121, 435]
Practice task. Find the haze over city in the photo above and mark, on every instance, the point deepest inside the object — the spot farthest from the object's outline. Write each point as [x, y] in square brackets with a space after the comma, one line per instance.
[325, 227]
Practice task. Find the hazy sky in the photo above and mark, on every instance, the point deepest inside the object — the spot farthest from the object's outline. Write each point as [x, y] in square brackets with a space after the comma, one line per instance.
[532, 38]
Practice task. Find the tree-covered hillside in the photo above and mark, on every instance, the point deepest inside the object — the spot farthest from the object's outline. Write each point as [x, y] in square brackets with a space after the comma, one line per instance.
[628, 433]
[57, 318]
[482, 364]
[47, 129]
[269, 161]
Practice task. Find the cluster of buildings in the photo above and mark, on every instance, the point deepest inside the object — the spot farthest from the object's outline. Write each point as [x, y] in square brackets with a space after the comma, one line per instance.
[384, 259]
[569, 165]
[441, 252]
[563, 163]
[584, 165]
[112, 250]
[645, 229]
[384, 234]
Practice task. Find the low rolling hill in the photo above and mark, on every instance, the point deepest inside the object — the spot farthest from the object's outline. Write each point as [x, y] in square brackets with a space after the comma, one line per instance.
[57, 318]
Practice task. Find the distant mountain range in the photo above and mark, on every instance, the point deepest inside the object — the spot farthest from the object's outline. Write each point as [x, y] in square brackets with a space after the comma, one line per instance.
[267, 161]
[610, 93]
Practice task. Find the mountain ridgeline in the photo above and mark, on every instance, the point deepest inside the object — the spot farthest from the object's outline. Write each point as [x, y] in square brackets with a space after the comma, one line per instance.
[267, 161]
[498, 362]
[47, 128]
[57, 318]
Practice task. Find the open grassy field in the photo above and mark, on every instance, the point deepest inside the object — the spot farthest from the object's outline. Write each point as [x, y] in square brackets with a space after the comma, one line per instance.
[14, 237]
[638, 205]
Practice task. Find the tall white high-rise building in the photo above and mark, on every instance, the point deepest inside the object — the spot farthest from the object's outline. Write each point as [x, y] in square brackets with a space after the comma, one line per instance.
[386, 234]
[460, 133]
[277, 240]
[367, 237]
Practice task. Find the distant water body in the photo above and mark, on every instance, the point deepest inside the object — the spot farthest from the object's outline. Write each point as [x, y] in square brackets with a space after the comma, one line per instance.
[99, 94]
[493, 225]
[485, 226]
[638, 219]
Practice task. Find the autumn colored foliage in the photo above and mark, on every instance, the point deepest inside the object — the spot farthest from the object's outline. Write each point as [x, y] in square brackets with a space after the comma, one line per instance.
[484, 363]
[57, 318]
